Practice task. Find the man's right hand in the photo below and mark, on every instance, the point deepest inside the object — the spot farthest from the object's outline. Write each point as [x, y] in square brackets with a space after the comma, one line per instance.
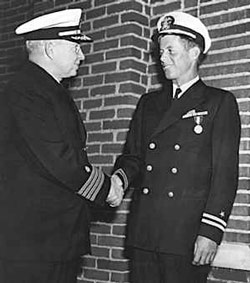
[116, 192]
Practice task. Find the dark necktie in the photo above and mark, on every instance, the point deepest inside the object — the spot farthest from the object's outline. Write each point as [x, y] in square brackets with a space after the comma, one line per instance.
[177, 92]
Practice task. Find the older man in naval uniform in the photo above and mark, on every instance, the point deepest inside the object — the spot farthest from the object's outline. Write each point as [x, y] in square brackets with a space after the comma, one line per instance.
[46, 180]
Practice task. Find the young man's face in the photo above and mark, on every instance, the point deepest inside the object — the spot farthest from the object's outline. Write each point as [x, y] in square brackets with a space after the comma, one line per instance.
[176, 59]
[67, 58]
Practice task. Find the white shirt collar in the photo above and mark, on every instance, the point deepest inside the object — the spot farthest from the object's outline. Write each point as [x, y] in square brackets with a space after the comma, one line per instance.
[185, 86]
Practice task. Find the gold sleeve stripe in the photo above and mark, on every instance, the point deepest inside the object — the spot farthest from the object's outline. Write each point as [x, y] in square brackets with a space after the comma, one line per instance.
[213, 224]
[96, 186]
[214, 218]
[93, 185]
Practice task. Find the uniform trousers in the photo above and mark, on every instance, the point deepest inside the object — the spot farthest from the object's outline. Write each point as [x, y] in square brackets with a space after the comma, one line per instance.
[155, 267]
[38, 272]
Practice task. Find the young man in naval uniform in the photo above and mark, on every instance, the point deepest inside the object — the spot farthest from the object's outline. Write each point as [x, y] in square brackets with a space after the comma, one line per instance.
[181, 156]
[47, 181]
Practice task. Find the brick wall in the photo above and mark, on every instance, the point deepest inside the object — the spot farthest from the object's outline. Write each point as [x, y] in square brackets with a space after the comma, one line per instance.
[118, 70]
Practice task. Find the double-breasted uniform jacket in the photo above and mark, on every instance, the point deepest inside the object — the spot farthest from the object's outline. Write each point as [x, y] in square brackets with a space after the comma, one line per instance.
[46, 179]
[185, 177]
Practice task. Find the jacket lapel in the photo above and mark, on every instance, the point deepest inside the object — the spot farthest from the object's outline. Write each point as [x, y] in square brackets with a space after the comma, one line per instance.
[193, 97]
[68, 116]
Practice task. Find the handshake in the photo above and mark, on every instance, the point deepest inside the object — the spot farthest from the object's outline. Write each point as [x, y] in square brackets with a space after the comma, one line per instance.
[116, 192]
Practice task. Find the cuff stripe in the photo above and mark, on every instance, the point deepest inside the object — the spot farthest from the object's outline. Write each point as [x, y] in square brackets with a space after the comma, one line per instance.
[124, 176]
[86, 186]
[215, 219]
[213, 224]
[93, 185]
[96, 186]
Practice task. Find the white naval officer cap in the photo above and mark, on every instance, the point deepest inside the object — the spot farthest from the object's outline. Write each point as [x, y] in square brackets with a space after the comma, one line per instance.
[63, 24]
[181, 23]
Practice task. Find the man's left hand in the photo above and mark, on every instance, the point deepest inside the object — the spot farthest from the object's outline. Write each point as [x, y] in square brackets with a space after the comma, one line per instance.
[204, 251]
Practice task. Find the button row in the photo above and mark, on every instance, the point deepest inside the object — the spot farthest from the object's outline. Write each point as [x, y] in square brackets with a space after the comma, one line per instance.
[152, 145]
[146, 191]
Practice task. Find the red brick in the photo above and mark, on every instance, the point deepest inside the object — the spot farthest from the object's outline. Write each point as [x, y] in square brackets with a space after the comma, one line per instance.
[236, 237]
[102, 114]
[231, 30]
[112, 148]
[106, 45]
[123, 52]
[124, 6]
[106, 22]
[239, 224]
[92, 126]
[116, 124]
[242, 197]
[237, 3]
[100, 137]
[244, 105]
[119, 230]
[229, 81]
[101, 228]
[95, 13]
[61, 2]
[224, 69]
[190, 3]
[83, 70]
[100, 251]
[93, 148]
[244, 171]
[120, 100]
[227, 56]
[103, 90]
[92, 103]
[91, 273]
[134, 17]
[225, 17]
[89, 261]
[134, 41]
[110, 241]
[245, 118]
[104, 67]
[84, 5]
[92, 80]
[122, 76]
[230, 42]
[242, 210]
[94, 57]
[165, 8]
[132, 64]
[214, 7]
[245, 158]
[112, 265]
[124, 30]
[103, 2]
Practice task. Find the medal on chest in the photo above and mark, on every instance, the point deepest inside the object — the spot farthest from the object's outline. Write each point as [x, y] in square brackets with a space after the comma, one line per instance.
[198, 129]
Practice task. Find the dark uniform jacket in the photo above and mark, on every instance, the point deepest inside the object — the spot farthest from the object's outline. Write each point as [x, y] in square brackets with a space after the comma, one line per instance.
[46, 180]
[185, 176]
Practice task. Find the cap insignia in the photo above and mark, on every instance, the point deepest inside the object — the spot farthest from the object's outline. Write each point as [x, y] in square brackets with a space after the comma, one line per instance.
[166, 23]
